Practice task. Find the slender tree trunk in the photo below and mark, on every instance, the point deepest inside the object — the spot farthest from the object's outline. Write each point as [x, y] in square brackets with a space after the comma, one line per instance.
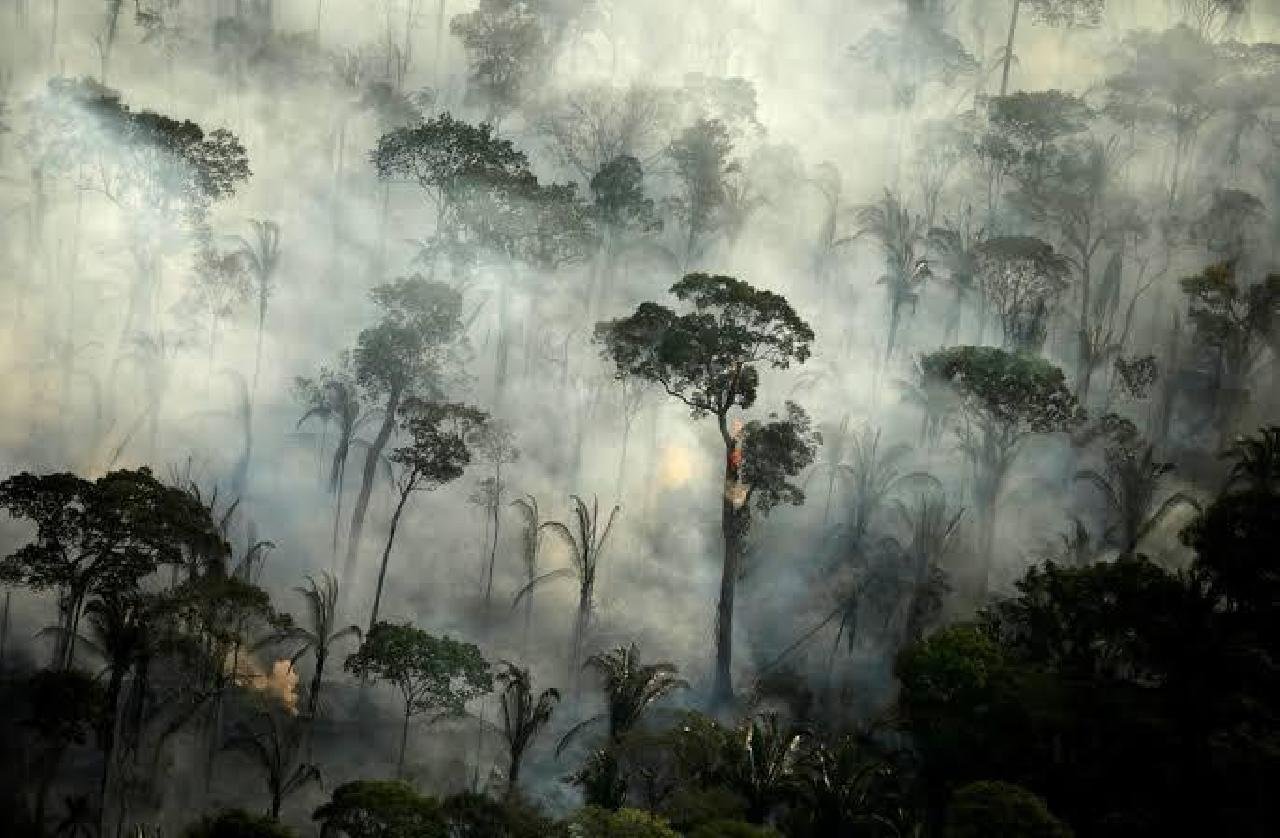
[366, 483]
[731, 530]
[493, 549]
[386, 556]
[313, 697]
[1084, 370]
[1008, 48]
[404, 741]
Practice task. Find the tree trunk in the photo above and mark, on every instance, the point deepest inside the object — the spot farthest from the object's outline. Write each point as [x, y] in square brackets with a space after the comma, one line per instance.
[1008, 48]
[493, 549]
[366, 483]
[513, 773]
[731, 529]
[386, 556]
[313, 697]
[404, 740]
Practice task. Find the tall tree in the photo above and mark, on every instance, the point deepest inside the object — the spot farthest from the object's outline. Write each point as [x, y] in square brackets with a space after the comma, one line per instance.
[1052, 13]
[409, 353]
[274, 741]
[702, 156]
[585, 542]
[508, 53]
[99, 538]
[1003, 399]
[901, 236]
[438, 450]
[1021, 279]
[435, 675]
[709, 360]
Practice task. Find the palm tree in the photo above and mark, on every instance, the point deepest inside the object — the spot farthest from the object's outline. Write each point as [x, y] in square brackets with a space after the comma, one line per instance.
[1132, 477]
[530, 543]
[523, 715]
[263, 257]
[630, 688]
[934, 528]
[319, 636]
[585, 549]
[873, 476]
[763, 769]
[336, 399]
[830, 462]
[933, 397]
[276, 747]
[956, 245]
[900, 234]
[1257, 461]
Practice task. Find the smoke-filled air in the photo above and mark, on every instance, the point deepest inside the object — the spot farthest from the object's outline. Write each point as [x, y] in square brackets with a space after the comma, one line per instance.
[639, 418]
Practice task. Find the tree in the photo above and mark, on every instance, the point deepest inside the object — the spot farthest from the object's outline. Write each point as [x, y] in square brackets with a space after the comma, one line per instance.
[1129, 486]
[586, 546]
[1053, 13]
[508, 53]
[523, 716]
[900, 234]
[873, 475]
[435, 675]
[1232, 321]
[318, 636]
[708, 359]
[631, 688]
[1003, 399]
[1021, 279]
[444, 157]
[441, 436]
[263, 257]
[703, 163]
[99, 538]
[1256, 461]
[1168, 83]
[623, 212]
[997, 808]
[495, 443]
[380, 809]
[66, 706]
[593, 125]
[274, 742]
[407, 354]
[764, 763]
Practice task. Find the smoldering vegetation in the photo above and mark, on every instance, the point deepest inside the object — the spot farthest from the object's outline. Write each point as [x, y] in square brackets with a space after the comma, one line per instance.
[607, 418]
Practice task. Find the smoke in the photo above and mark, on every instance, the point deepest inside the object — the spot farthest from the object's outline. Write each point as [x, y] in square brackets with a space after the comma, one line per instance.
[817, 131]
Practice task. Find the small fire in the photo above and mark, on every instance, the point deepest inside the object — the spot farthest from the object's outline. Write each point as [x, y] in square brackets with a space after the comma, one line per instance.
[735, 490]
[280, 682]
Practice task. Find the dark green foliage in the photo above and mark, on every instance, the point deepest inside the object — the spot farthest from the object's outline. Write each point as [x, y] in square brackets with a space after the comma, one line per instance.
[101, 538]
[1020, 393]
[707, 358]
[618, 198]
[993, 808]
[434, 675]
[381, 809]
[237, 823]
[410, 348]
[523, 715]
[445, 156]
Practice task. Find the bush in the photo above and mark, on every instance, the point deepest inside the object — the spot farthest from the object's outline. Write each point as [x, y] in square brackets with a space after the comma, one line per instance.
[594, 822]
[237, 823]
[985, 809]
[733, 829]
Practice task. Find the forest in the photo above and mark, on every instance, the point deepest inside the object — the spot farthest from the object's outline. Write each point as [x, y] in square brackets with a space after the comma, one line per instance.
[607, 419]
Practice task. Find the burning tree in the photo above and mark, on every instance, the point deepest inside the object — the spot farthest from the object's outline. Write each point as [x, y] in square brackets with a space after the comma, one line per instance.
[709, 360]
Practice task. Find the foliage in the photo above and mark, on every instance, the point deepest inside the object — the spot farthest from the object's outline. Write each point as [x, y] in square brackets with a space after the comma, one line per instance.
[237, 823]
[523, 715]
[1003, 809]
[624, 823]
[433, 674]
[707, 358]
[508, 52]
[381, 809]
